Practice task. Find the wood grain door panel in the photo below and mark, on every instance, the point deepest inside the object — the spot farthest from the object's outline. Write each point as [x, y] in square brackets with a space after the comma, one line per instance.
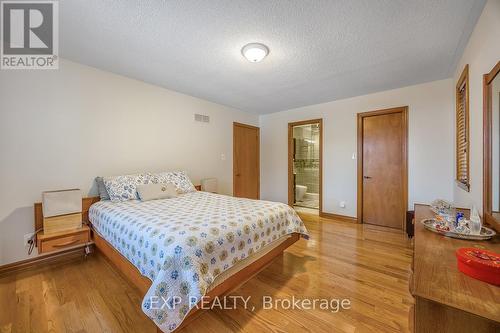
[383, 158]
[246, 164]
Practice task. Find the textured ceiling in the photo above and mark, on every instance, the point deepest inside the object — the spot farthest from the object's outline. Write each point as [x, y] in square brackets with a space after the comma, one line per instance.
[320, 50]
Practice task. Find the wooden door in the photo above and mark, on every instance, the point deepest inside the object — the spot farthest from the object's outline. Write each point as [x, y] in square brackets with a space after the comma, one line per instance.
[383, 168]
[246, 161]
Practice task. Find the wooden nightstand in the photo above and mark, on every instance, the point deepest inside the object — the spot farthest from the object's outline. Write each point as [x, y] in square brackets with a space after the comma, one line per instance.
[61, 240]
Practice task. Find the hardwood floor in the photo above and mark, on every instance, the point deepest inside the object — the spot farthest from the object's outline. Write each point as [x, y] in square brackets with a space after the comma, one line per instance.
[366, 264]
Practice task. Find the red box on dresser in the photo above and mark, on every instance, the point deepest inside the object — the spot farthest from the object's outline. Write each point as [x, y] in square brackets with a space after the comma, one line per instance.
[480, 264]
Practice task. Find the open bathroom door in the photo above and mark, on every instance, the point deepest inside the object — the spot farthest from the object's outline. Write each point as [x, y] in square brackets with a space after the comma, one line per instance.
[318, 163]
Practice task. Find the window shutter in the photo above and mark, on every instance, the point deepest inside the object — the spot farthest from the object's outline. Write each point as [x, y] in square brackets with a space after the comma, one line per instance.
[462, 130]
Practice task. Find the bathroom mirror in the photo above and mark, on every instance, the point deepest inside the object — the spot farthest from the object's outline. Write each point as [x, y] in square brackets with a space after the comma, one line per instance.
[491, 132]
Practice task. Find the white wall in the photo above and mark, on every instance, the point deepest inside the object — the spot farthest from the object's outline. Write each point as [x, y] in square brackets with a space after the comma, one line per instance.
[481, 53]
[61, 128]
[431, 149]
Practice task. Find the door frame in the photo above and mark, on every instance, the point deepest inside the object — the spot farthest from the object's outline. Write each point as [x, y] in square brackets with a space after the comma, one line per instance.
[404, 172]
[290, 159]
[236, 124]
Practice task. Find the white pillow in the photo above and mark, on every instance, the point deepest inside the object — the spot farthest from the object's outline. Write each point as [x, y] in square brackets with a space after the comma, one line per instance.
[123, 188]
[156, 191]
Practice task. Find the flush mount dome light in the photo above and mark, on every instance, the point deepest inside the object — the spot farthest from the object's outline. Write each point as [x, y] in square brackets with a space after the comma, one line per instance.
[255, 52]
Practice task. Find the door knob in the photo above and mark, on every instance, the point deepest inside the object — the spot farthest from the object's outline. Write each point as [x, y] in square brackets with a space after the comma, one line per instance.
[367, 177]
[237, 175]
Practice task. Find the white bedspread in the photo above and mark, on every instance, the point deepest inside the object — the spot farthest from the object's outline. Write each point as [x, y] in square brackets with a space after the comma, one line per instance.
[182, 244]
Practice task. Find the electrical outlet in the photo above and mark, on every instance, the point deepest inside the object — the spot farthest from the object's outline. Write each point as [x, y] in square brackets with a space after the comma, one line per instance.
[342, 204]
[27, 238]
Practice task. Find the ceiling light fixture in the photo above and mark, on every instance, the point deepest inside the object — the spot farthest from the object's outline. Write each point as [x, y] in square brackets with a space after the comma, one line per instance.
[255, 52]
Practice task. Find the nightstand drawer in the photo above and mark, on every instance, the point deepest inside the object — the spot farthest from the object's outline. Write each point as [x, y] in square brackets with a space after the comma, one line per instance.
[62, 241]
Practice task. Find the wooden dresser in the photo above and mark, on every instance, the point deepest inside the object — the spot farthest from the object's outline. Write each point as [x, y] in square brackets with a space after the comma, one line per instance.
[447, 300]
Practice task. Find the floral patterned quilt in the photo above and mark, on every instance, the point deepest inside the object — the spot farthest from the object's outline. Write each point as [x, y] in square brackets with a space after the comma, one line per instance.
[183, 244]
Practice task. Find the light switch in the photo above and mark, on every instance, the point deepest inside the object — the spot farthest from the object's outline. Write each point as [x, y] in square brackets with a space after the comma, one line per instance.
[353, 156]
[222, 157]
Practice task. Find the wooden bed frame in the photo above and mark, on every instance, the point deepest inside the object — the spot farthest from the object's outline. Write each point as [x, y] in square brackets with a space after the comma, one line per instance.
[142, 283]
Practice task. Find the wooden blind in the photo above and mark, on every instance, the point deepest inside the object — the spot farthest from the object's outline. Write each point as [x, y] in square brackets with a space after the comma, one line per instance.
[462, 129]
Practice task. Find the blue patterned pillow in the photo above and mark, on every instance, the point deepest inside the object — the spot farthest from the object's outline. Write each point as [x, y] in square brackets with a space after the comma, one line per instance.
[178, 178]
[123, 188]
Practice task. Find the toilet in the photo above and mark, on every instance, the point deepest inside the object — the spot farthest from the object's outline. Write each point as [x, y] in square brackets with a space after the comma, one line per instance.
[300, 191]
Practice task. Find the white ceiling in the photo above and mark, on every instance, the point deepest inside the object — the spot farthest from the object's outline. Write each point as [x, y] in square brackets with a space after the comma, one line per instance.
[320, 50]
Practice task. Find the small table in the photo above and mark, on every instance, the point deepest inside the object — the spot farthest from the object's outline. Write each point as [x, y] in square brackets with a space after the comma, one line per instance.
[63, 239]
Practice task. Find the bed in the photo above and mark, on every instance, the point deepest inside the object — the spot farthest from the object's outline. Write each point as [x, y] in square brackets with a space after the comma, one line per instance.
[196, 246]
